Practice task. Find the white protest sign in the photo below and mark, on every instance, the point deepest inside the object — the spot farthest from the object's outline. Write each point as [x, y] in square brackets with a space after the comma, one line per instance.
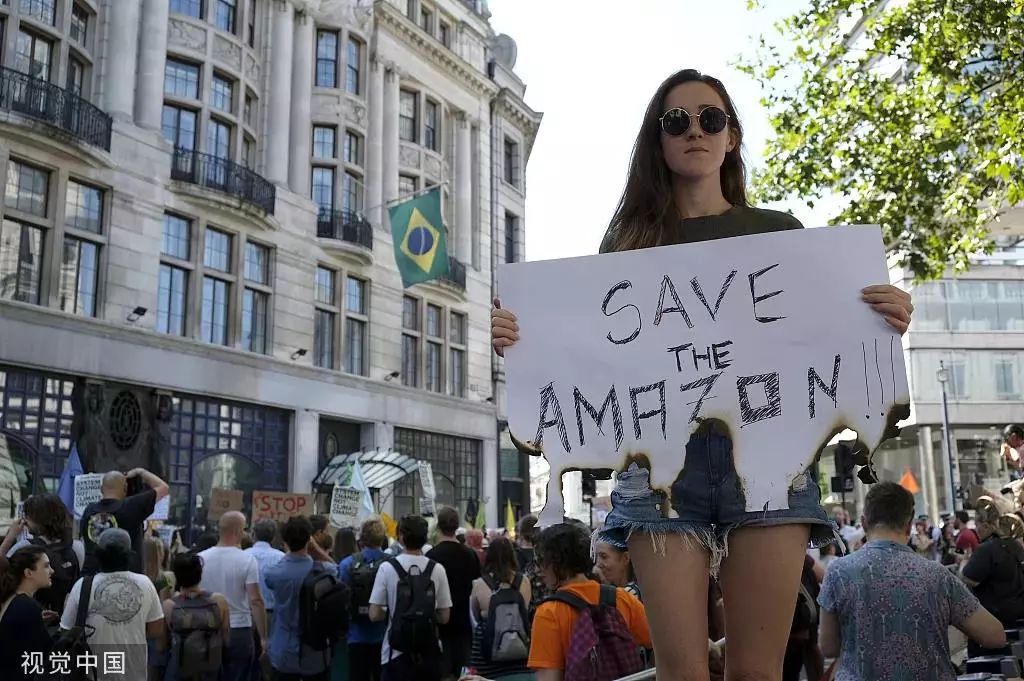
[87, 491]
[345, 503]
[161, 510]
[622, 354]
[427, 503]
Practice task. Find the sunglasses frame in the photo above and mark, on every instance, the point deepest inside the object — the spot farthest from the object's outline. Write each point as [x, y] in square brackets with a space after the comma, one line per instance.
[690, 117]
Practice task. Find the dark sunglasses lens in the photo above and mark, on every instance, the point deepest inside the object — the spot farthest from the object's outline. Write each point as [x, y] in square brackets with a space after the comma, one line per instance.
[675, 122]
[713, 120]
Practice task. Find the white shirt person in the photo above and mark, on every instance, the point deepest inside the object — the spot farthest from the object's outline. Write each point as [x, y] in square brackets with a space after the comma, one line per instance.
[124, 610]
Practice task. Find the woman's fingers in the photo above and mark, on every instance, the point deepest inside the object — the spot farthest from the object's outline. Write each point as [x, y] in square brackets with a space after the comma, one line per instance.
[498, 313]
[894, 304]
[498, 323]
[897, 324]
[892, 310]
[504, 329]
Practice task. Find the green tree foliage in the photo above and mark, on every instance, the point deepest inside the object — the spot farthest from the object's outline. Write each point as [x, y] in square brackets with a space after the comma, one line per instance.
[911, 110]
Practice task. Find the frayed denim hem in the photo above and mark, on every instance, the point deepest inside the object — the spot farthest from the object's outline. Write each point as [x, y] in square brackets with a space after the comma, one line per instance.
[714, 540]
[693, 535]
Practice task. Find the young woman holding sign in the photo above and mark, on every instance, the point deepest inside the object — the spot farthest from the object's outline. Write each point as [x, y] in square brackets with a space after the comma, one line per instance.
[686, 184]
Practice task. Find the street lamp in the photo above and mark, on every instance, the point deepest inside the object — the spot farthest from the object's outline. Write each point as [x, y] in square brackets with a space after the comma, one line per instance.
[953, 467]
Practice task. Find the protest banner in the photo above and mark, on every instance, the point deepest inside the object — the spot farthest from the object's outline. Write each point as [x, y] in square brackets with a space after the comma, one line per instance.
[223, 500]
[87, 490]
[345, 506]
[625, 353]
[427, 501]
[280, 505]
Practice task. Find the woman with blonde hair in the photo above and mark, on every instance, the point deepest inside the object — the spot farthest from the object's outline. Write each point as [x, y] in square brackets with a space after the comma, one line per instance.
[154, 555]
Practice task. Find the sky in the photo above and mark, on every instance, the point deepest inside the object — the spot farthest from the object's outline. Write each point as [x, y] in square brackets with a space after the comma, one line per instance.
[591, 68]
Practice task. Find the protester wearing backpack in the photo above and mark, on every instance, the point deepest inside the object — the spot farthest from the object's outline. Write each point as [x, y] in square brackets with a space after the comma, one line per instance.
[311, 606]
[411, 594]
[49, 523]
[198, 624]
[585, 631]
[359, 571]
[501, 638]
[120, 608]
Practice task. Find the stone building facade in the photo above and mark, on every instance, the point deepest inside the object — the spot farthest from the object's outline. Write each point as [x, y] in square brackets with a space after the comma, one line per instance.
[195, 240]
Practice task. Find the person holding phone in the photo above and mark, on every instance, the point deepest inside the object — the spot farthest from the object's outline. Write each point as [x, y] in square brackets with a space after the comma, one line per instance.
[118, 508]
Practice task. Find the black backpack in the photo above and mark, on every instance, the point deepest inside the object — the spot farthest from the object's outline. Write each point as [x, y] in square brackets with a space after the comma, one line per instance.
[323, 609]
[506, 635]
[197, 631]
[361, 576]
[66, 571]
[414, 622]
[74, 642]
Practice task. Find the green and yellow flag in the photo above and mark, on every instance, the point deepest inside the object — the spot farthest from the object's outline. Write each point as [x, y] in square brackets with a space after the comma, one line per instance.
[421, 246]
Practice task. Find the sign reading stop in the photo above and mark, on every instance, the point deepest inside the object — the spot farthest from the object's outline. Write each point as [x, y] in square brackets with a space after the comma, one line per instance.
[280, 506]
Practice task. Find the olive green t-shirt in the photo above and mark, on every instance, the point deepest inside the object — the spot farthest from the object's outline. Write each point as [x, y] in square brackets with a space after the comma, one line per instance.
[737, 221]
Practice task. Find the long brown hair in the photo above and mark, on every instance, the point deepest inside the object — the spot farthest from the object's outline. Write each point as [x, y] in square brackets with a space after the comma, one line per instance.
[646, 209]
[25, 558]
[51, 518]
[501, 560]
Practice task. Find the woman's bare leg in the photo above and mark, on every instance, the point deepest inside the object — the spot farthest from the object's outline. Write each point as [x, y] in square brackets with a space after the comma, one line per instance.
[675, 589]
[760, 578]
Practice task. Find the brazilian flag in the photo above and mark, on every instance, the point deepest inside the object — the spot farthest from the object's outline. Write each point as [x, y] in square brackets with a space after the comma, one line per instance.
[421, 248]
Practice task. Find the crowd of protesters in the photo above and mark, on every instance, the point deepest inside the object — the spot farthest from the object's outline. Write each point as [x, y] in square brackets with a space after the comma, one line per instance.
[438, 602]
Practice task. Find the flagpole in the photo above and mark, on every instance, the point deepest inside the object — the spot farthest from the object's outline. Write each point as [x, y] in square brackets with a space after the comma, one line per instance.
[406, 196]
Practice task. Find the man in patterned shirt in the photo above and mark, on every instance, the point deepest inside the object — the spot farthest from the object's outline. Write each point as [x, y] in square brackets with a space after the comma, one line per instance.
[885, 611]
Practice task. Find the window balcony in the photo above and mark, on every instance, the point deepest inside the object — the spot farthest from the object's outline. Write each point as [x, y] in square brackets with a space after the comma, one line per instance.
[63, 109]
[343, 225]
[456, 274]
[225, 176]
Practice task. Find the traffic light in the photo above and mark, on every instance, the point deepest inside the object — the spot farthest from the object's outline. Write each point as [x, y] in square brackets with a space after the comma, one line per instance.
[844, 459]
[589, 486]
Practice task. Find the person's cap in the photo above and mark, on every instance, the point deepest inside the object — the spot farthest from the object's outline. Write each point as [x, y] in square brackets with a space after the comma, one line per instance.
[115, 538]
[460, 531]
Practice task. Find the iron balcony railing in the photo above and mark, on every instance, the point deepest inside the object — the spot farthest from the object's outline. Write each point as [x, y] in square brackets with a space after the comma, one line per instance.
[344, 225]
[456, 274]
[223, 175]
[63, 109]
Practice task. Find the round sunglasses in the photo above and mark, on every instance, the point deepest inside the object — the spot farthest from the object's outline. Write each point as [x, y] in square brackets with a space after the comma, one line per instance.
[712, 120]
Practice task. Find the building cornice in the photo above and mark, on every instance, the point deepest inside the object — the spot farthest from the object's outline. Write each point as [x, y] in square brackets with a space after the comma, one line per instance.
[526, 120]
[430, 50]
[49, 322]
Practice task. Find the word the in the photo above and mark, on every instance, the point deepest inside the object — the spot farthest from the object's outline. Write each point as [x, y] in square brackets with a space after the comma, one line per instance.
[32, 662]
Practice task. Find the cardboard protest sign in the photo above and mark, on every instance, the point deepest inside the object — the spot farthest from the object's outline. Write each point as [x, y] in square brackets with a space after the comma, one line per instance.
[279, 505]
[427, 503]
[345, 505]
[87, 490]
[223, 500]
[625, 353]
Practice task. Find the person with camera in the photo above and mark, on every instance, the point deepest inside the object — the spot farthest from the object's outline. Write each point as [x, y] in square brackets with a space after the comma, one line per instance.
[127, 500]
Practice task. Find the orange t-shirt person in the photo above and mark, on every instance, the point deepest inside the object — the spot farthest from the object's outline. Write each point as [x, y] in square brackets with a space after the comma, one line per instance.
[553, 623]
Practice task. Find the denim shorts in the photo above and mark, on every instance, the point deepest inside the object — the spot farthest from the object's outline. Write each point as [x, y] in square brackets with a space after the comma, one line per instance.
[708, 501]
